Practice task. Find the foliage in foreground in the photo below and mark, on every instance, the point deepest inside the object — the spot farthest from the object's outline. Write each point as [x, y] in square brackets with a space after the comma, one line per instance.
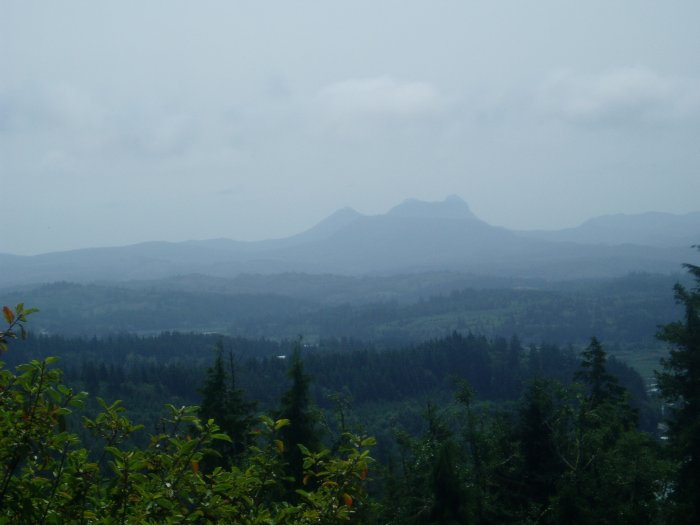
[48, 476]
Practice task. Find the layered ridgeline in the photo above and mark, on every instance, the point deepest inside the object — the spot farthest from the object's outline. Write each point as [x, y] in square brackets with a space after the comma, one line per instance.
[388, 310]
[413, 237]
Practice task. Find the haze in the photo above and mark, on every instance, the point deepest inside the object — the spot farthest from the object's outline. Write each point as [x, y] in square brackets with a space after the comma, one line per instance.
[140, 121]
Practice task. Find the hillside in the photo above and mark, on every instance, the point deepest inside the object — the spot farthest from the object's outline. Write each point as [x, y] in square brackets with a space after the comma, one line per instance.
[387, 310]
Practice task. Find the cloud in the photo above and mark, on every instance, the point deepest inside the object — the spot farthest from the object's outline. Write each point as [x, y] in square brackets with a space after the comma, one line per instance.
[381, 97]
[630, 95]
[72, 123]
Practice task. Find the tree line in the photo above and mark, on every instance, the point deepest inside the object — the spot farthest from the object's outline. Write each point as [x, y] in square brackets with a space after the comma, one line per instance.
[564, 452]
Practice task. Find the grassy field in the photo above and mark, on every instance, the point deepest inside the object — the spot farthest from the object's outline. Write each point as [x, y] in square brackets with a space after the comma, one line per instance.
[644, 359]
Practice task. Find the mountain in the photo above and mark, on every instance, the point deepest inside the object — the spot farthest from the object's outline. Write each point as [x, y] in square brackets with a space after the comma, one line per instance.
[415, 236]
[328, 226]
[453, 207]
[647, 229]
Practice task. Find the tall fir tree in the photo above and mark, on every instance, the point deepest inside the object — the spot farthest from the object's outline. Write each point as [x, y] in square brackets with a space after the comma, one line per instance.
[228, 407]
[602, 385]
[679, 384]
[296, 406]
[540, 466]
[611, 473]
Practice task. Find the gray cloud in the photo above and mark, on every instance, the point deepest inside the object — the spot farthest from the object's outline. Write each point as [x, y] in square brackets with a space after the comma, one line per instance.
[627, 95]
[382, 97]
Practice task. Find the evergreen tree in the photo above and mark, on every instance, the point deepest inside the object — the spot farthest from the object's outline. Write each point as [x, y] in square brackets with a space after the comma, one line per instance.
[679, 384]
[602, 385]
[611, 472]
[240, 411]
[297, 408]
[428, 488]
[214, 390]
[449, 494]
[227, 406]
[540, 464]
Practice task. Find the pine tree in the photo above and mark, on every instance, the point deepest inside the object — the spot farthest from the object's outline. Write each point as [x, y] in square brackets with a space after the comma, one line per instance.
[297, 408]
[541, 466]
[612, 473]
[602, 385]
[227, 406]
[214, 390]
[240, 417]
[679, 384]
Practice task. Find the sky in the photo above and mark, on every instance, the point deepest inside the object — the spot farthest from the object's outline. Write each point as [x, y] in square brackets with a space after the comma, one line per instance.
[123, 122]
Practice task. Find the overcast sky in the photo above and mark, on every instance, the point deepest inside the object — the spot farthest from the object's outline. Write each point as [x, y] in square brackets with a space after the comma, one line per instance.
[127, 121]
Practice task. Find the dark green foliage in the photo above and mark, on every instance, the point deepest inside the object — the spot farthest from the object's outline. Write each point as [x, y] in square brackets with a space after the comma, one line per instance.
[565, 454]
[540, 464]
[303, 420]
[426, 487]
[602, 386]
[227, 406]
[569, 454]
[679, 384]
[146, 372]
[602, 453]
[558, 460]
[48, 477]
[448, 506]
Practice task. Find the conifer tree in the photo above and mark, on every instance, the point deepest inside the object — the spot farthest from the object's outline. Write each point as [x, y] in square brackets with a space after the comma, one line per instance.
[602, 385]
[679, 383]
[297, 408]
[227, 406]
[541, 466]
[449, 494]
[612, 473]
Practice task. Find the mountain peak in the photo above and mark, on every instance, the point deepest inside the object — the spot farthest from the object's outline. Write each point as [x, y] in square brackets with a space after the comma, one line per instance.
[453, 207]
[331, 224]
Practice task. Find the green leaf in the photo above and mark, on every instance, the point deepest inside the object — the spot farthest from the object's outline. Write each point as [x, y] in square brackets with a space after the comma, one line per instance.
[114, 451]
[281, 423]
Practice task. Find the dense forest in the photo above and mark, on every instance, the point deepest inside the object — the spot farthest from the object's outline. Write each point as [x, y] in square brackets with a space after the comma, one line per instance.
[464, 428]
[146, 372]
[388, 311]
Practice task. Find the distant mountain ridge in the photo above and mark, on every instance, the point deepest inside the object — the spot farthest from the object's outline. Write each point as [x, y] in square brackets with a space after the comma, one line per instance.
[415, 236]
[647, 229]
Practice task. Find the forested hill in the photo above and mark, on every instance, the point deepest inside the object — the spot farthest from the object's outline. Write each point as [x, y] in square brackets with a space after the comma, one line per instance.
[389, 310]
